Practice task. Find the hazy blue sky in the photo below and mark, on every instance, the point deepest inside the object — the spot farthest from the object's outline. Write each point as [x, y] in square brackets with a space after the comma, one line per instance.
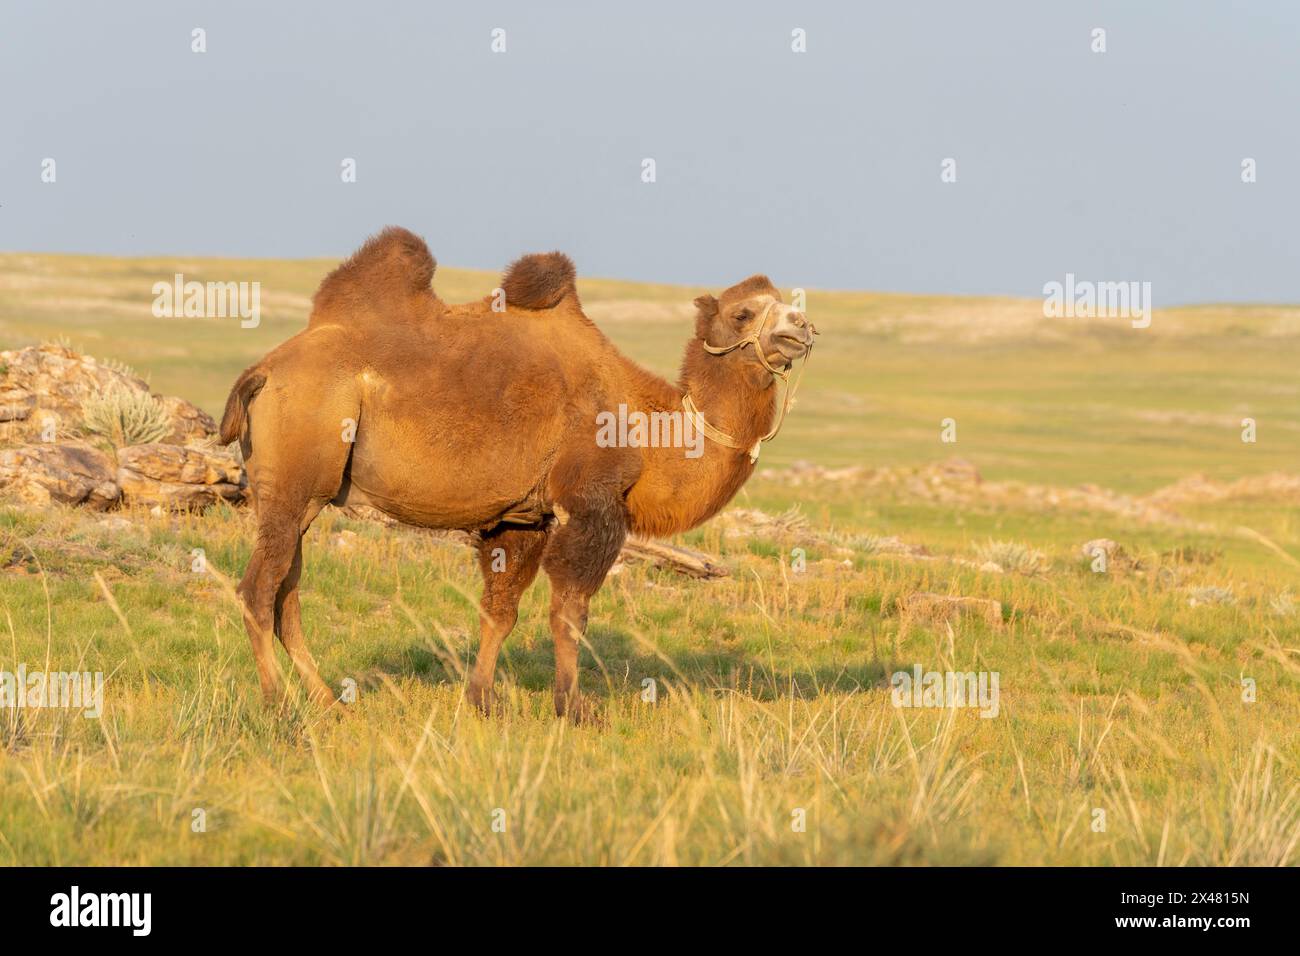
[821, 168]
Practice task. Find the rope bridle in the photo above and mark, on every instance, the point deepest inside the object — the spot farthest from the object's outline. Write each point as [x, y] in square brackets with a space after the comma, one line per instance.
[754, 338]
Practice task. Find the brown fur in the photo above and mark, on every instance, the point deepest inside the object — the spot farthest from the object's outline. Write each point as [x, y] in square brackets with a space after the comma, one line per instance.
[391, 271]
[459, 417]
[540, 281]
[236, 415]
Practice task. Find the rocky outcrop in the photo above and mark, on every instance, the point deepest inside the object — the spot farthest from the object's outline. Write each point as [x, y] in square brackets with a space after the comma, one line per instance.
[73, 474]
[49, 456]
[44, 389]
[190, 423]
[179, 477]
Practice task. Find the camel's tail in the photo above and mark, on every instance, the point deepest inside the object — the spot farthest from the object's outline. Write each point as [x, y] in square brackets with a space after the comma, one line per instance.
[540, 281]
[234, 422]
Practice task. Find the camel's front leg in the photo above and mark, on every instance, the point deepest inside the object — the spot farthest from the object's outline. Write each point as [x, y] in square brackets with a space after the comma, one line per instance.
[578, 555]
[568, 624]
[509, 559]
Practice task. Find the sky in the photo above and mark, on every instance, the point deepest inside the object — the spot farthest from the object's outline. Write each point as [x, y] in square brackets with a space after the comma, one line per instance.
[823, 168]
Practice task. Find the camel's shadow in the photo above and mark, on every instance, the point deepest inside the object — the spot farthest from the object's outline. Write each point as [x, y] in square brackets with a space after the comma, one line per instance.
[613, 662]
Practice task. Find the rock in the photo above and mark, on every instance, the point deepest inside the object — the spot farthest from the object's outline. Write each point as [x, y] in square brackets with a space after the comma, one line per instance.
[189, 422]
[890, 544]
[958, 482]
[1115, 558]
[345, 541]
[1198, 489]
[179, 477]
[750, 522]
[73, 473]
[43, 390]
[16, 405]
[937, 608]
[1106, 546]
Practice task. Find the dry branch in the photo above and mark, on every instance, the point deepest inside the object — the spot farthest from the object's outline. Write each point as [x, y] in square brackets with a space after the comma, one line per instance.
[694, 564]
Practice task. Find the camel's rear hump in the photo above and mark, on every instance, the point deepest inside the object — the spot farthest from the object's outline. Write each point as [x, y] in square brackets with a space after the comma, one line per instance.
[540, 281]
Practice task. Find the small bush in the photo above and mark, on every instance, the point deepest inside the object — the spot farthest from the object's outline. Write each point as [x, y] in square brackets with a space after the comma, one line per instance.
[125, 417]
[1212, 596]
[1010, 556]
[1283, 605]
[120, 367]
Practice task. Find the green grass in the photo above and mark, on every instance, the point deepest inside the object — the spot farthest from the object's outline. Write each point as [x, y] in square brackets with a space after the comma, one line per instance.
[1117, 694]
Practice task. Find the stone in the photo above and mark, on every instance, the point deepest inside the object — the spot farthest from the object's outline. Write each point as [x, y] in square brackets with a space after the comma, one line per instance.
[1106, 546]
[179, 477]
[189, 422]
[74, 473]
[345, 540]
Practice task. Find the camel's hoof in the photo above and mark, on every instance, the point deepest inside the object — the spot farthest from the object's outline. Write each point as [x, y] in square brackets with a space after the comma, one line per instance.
[275, 700]
[480, 697]
[580, 711]
[326, 705]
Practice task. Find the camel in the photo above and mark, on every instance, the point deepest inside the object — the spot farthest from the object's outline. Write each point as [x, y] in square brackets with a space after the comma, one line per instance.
[480, 417]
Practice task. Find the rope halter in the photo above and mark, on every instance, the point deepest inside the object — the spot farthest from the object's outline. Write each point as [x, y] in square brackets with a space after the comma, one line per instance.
[755, 339]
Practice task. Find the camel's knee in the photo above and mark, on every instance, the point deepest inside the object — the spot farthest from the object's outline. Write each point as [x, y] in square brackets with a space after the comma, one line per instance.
[497, 622]
[581, 551]
[270, 564]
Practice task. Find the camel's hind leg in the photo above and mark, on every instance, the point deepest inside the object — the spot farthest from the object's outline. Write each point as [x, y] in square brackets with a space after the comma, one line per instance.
[273, 555]
[509, 559]
[288, 627]
[296, 462]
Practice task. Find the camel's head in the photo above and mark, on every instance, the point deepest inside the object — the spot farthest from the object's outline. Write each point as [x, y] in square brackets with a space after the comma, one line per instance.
[752, 312]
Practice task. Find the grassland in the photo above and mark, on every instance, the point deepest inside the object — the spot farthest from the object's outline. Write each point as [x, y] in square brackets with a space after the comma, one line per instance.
[1120, 692]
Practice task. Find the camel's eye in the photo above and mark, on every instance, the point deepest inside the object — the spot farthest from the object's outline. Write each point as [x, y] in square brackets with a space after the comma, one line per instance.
[742, 315]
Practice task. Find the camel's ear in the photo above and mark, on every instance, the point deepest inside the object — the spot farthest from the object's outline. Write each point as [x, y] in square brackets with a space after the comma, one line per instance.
[707, 307]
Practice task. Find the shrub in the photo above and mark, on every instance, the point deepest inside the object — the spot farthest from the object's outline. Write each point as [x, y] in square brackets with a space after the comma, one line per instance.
[123, 417]
[1010, 556]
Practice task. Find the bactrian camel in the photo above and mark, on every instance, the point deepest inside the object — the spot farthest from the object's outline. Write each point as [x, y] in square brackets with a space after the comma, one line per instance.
[483, 419]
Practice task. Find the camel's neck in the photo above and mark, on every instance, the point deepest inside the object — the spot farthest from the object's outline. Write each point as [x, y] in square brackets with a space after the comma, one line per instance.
[680, 487]
[733, 392]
